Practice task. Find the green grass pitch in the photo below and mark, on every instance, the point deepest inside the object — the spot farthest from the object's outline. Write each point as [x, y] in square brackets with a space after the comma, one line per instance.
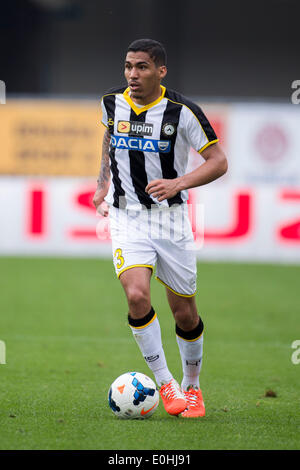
[64, 324]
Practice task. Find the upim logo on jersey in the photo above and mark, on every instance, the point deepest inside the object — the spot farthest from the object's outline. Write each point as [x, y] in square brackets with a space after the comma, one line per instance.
[138, 143]
[135, 128]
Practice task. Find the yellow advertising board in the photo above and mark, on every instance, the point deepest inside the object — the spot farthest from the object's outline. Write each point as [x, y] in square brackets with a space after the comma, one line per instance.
[50, 137]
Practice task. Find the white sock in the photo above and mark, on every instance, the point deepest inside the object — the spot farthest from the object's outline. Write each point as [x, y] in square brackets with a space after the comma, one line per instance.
[191, 351]
[146, 332]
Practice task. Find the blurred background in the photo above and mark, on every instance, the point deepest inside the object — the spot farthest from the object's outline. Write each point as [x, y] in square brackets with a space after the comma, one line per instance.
[239, 61]
[215, 49]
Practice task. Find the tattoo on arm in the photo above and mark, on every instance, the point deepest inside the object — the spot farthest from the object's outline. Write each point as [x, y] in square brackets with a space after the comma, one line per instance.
[104, 174]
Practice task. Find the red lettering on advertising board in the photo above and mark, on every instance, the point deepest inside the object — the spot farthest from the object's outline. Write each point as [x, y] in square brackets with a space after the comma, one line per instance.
[291, 231]
[84, 200]
[241, 214]
[36, 212]
[239, 228]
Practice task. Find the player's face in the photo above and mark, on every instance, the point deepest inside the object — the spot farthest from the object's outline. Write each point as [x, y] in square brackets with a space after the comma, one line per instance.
[143, 76]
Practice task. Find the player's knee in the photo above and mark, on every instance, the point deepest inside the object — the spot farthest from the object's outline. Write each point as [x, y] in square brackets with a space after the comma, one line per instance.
[138, 300]
[186, 317]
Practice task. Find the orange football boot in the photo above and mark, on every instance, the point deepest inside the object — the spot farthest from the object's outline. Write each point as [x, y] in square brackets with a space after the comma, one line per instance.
[195, 407]
[173, 398]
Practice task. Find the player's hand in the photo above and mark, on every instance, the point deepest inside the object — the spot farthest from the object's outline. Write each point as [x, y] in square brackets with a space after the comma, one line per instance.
[99, 203]
[103, 209]
[163, 188]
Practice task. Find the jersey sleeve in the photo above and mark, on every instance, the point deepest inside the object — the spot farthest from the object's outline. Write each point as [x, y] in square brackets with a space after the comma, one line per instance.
[104, 114]
[199, 131]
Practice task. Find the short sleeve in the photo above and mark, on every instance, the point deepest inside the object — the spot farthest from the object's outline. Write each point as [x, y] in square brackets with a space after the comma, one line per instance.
[104, 114]
[199, 131]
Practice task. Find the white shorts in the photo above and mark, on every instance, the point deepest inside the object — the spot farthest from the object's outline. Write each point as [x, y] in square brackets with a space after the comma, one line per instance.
[159, 237]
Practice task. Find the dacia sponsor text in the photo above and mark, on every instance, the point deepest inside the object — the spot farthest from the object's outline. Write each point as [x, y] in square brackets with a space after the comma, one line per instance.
[140, 144]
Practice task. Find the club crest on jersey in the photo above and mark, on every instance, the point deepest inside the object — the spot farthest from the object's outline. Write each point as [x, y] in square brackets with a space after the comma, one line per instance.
[140, 144]
[135, 128]
[168, 129]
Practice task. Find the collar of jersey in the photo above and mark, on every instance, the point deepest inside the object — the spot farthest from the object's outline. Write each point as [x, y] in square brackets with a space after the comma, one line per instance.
[139, 110]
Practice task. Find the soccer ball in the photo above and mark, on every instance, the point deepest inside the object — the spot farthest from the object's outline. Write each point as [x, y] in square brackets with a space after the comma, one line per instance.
[133, 395]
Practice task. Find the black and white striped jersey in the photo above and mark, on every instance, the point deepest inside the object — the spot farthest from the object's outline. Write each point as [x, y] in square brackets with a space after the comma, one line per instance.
[150, 142]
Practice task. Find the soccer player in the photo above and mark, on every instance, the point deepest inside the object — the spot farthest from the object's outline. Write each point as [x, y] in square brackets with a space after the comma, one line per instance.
[143, 186]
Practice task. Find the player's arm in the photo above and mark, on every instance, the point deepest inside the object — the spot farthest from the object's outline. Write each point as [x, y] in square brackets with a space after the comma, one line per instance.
[103, 180]
[215, 165]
